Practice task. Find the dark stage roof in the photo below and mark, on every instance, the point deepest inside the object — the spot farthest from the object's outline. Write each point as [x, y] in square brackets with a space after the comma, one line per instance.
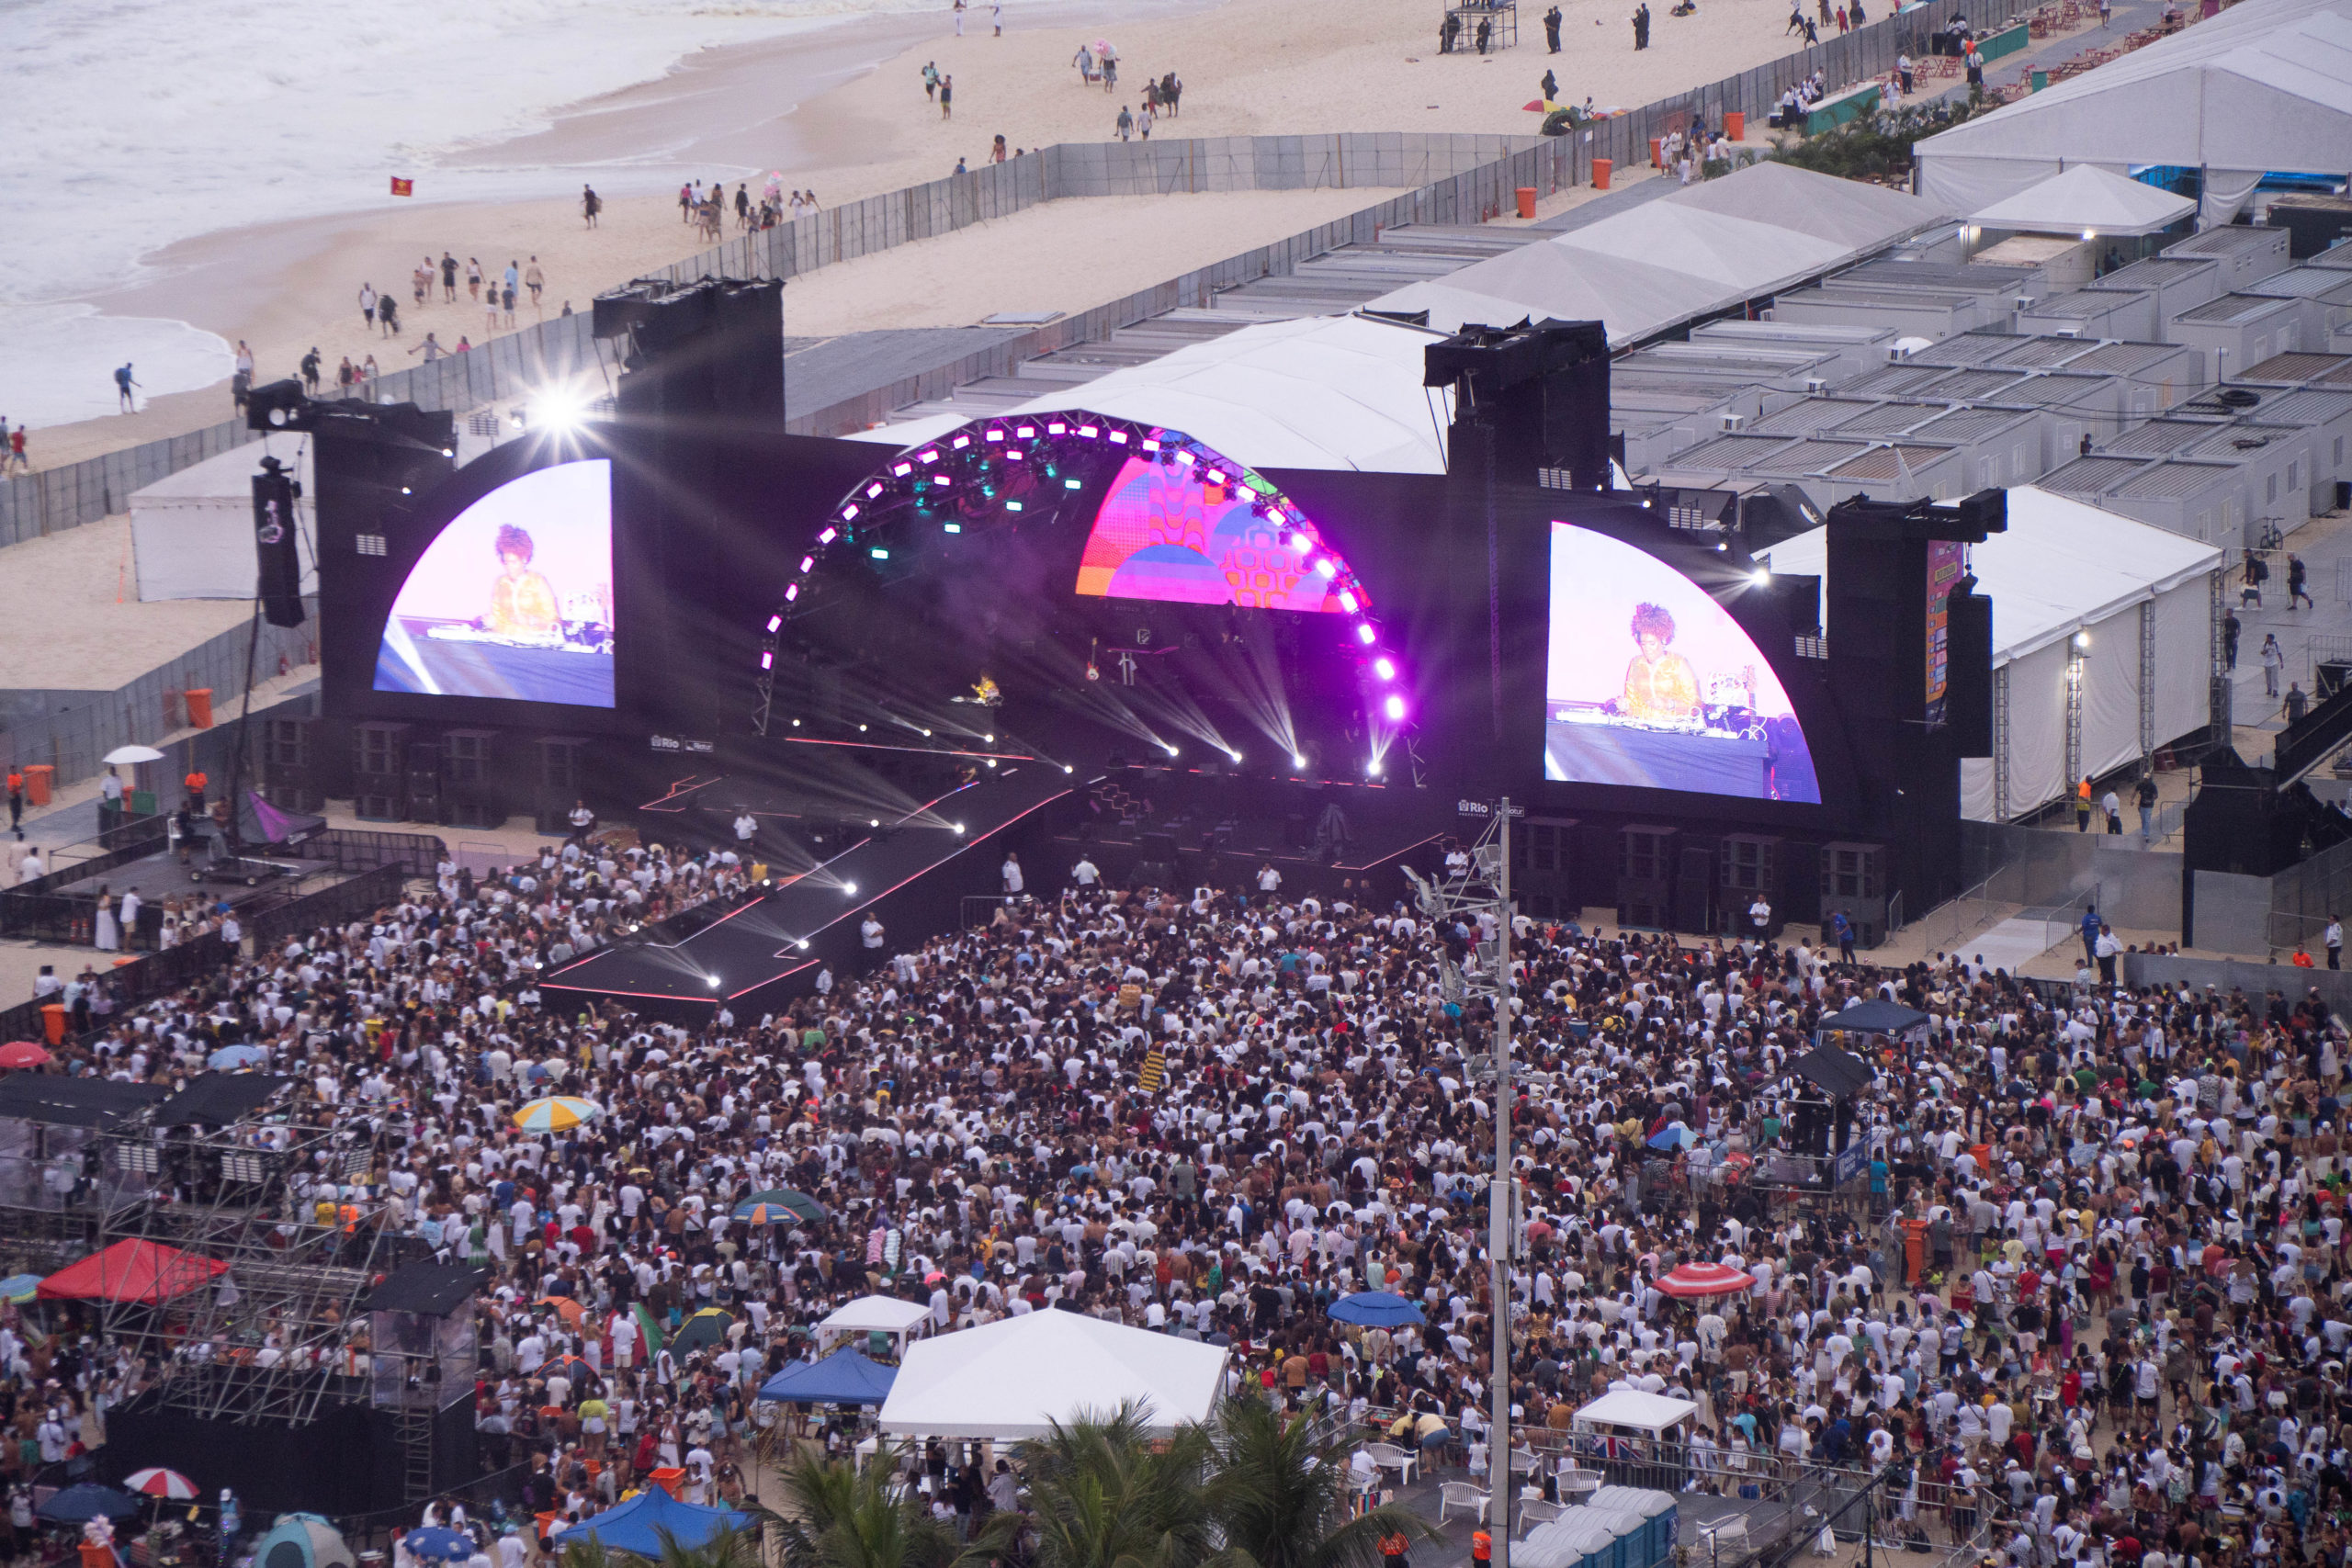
[435, 1290]
[73, 1103]
[217, 1098]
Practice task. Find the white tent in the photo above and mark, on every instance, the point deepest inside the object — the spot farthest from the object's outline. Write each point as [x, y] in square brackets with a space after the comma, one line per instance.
[2086, 200]
[1700, 250]
[192, 532]
[2265, 86]
[1017, 1377]
[1318, 392]
[2066, 569]
[874, 1314]
[1653, 1413]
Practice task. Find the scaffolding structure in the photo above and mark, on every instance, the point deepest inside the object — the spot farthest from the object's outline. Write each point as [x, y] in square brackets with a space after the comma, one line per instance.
[295, 1207]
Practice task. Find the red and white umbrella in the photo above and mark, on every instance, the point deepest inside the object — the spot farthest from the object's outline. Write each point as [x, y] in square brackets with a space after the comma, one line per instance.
[169, 1484]
[1705, 1279]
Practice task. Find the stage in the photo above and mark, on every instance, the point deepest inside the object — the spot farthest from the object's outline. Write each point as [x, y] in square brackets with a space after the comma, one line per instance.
[777, 936]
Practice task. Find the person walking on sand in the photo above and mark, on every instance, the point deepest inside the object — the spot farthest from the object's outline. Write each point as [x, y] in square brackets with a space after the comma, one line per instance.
[959, 18]
[431, 348]
[1550, 85]
[535, 280]
[1143, 121]
[591, 204]
[367, 305]
[473, 276]
[420, 282]
[1126, 124]
[930, 82]
[946, 97]
[506, 297]
[240, 383]
[448, 279]
[123, 386]
[311, 363]
[995, 17]
[490, 310]
[17, 461]
[1172, 92]
[1551, 30]
[1084, 61]
[1642, 26]
[388, 315]
[344, 376]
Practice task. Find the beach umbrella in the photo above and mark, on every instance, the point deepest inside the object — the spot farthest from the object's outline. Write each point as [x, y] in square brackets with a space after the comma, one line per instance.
[1673, 1138]
[20, 1287]
[79, 1504]
[707, 1326]
[233, 1056]
[779, 1205]
[123, 755]
[1374, 1309]
[1697, 1280]
[23, 1053]
[556, 1113]
[566, 1308]
[157, 1482]
[435, 1542]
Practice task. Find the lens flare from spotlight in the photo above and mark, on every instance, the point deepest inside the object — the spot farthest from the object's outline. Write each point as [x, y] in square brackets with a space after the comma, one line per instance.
[850, 888]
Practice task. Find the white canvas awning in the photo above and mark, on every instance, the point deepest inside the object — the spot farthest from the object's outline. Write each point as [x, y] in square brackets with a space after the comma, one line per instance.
[874, 1314]
[1651, 1413]
[1016, 1378]
[2088, 201]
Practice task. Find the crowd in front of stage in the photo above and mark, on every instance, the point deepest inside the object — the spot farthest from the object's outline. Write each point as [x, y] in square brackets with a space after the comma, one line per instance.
[2085, 1293]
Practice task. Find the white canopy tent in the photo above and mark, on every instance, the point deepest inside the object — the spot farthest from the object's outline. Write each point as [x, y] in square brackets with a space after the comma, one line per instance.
[2066, 570]
[192, 532]
[1318, 392]
[2265, 86]
[2089, 201]
[1656, 1414]
[1017, 1377]
[874, 1314]
[1667, 262]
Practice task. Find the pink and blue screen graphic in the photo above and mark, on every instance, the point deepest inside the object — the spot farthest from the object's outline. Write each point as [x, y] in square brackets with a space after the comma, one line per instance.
[1650, 683]
[1166, 532]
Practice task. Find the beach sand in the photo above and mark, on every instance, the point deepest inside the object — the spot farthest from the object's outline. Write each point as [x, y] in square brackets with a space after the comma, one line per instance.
[811, 108]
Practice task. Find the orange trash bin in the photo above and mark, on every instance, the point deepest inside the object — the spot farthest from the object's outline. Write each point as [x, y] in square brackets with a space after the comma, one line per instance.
[1657, 151]
[1736, 124]
[52, 1022]
[97, 1556]
[667, 1478]
[1600, 167]
[1914, 1251]
[1983, 1155]
[1527, 201]
[36, 777]
[199, 707]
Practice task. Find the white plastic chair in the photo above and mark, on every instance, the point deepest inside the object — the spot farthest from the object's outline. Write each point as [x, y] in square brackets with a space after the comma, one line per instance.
[1388, 1456]
[1452, 1494]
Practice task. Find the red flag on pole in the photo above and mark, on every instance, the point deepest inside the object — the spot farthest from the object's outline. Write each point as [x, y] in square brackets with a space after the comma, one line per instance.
[404, 188]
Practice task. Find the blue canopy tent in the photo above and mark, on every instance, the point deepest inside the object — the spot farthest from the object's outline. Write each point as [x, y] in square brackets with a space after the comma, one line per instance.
[639, 1525]
[845, 1377]
[1376, 1309]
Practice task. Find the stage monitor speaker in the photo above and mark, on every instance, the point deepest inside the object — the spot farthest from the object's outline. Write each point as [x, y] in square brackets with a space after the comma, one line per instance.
[1694, 886]
[381, 799]
[277, 545]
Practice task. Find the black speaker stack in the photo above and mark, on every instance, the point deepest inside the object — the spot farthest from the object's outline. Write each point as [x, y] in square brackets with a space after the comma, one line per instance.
[472, 790]
[379, 771]
[561, 772]
[276, 541]
[290, 773]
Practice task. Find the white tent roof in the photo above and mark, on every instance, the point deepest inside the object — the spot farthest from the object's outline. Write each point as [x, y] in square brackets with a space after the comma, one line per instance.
[1318, 392]
[876, 1314]
[1665, 262]
[2266, 84]
[1653, 1413]
[2087, 199]
[1017, 1377]
[2062, 566]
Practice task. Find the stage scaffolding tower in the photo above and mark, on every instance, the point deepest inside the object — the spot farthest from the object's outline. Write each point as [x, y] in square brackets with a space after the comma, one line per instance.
[279, 1334]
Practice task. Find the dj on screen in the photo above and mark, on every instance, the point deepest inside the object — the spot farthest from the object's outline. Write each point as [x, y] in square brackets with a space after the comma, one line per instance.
[522, 603]
[1660, 685]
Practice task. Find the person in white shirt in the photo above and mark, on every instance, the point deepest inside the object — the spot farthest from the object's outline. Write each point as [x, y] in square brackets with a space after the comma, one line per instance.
[747, 828]
[1011, 871]
[1085, 872]
[1760, 914]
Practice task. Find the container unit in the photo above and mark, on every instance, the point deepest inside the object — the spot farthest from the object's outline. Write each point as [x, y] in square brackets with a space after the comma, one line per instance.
[2276, 462]
[2239, 330]
[2094, 312]
[1966, 349]
[2246, 254]
[1997, 446]
[2008, 285]
[1811, 416]
[2299, 366]
[2328, 289]
[1789, 369]
[2089, 479]
[2077, 405]
[2178, 282]
[1659, 420]
[2063, 263]
[2325, 414]
[1856, 348]
[1909, 314]
[1906, 470]
[2157, 438]
[2199, 501]
[1899, 379]
[2159, 375]
[1884, 421]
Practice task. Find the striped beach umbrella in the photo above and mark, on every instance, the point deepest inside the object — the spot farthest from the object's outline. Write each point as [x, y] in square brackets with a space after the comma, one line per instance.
[556, 1114]
[169, 1484]
[1696, 1280]
[779, 1206]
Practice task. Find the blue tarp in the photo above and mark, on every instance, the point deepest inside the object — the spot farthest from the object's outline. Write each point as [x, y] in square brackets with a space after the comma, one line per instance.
[845, 1377]
[638, 1525]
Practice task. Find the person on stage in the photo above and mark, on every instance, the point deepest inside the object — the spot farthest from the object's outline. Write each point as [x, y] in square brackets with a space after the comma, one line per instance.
[1660, 685]
[522, 604]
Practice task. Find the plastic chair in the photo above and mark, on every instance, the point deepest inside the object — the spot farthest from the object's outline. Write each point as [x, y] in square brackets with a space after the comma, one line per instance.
[1388, 1456]
[1455, 1495]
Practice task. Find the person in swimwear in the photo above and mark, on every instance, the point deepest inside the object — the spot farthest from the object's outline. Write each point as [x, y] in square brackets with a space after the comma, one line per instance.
[1660, 685]
[522, 604]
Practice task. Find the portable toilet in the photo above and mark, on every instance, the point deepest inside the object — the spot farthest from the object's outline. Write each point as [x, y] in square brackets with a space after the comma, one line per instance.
[1593, 1541]
[1659, 1518]
[1625, 1535]
[1549, 1545]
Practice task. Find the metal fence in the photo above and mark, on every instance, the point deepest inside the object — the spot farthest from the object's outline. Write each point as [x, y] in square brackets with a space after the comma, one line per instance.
[360, 895]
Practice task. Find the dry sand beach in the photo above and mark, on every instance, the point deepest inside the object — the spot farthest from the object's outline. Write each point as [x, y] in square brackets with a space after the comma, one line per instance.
[806, 108]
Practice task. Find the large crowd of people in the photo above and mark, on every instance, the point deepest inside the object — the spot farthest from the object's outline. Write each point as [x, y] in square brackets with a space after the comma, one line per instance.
[2085, 1293]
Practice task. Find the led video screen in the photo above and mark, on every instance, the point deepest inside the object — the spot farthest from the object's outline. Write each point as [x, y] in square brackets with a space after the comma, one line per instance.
[514, 600]
[1649, 683]
[1168, 532]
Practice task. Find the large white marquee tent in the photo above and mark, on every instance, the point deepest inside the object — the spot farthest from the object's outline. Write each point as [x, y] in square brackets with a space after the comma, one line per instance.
[2265, 86]
[2066, 568]
[1017, 1377]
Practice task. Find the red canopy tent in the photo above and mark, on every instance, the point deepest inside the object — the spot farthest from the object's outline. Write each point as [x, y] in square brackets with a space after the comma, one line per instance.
[1694, 1280]
[131, 1271]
